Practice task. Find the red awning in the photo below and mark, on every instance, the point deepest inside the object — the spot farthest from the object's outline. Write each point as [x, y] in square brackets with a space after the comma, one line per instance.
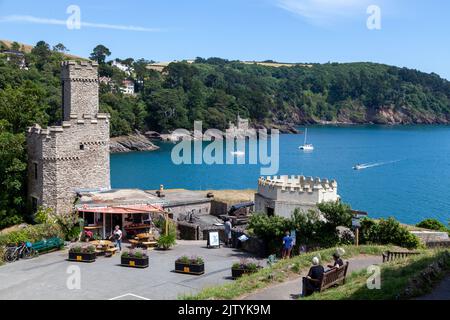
[141, 208]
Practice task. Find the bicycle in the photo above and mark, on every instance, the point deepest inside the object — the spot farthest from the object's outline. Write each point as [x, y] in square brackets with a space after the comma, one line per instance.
[24, 251]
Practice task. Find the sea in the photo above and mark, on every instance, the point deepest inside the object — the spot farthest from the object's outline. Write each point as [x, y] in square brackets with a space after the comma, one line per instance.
[405, 169]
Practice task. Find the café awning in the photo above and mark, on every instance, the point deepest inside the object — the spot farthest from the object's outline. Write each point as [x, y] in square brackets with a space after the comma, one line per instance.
[128, 209]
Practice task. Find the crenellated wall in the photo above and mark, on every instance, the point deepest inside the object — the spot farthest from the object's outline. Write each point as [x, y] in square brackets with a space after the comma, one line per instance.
[284, 194]
[74, 155]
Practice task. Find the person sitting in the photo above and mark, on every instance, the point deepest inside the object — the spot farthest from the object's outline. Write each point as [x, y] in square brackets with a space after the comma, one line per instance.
[312, 281]
[337, 261]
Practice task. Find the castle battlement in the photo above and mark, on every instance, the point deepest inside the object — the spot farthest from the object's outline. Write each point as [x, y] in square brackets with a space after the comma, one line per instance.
[297, 183]
[283, 194]
[100, 118]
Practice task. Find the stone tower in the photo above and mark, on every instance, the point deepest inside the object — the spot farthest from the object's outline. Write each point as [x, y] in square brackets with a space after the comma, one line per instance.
[73, 156]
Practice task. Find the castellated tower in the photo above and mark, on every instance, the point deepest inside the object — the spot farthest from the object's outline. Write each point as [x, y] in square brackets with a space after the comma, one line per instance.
[75, 155]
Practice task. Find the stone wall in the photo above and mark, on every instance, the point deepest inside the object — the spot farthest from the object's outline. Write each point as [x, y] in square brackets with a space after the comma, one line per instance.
[187, 231]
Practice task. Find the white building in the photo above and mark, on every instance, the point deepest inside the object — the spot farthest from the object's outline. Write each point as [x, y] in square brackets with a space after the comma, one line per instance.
[127, 87]
[281, 195]
[122, 67]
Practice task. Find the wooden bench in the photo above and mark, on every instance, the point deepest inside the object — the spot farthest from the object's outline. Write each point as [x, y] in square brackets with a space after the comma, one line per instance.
[110, 252]
[332, 277]
[47, 245]
[394, 255]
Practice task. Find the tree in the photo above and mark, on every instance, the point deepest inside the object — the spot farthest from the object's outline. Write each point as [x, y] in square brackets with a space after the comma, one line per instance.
[3, 46]
[42, 54]
[60, 48]
[12, 176]
[100, 53]
[15, 46]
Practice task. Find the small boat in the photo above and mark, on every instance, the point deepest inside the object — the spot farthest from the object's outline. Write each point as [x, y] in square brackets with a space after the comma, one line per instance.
[306, 146]
[359, 167]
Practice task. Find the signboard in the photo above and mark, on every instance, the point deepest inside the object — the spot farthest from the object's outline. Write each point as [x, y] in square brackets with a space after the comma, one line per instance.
[213, 239]
[356, 223]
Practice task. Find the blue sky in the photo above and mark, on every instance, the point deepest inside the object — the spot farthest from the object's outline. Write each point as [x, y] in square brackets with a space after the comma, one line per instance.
[413, 33]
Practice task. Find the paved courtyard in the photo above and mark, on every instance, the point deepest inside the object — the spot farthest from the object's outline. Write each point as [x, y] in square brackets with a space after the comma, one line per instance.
[46, 277]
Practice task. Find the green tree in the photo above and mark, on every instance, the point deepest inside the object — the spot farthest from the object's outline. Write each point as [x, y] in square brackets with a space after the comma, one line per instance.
[60, 48]
[12, 176]
[100, 53]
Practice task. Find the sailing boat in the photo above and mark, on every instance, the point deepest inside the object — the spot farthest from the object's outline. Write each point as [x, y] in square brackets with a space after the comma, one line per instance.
[306, 146]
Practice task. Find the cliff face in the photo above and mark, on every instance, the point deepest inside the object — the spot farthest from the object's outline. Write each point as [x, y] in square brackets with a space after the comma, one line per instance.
[385, 115]
[134, 142]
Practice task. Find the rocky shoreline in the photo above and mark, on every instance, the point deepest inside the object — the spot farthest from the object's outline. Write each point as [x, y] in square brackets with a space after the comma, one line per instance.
[130, 143]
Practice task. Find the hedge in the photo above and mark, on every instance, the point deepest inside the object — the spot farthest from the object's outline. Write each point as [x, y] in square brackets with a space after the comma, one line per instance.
[32, 233]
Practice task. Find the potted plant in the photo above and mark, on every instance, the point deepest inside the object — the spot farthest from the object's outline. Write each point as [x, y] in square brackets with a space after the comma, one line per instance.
[136, 258]
[82, 253]
[190, 265]
[244, 267]
[87, 235]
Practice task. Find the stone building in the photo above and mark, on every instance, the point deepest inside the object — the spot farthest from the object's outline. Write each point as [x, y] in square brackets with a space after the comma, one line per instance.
[281, 195]
[74, 155]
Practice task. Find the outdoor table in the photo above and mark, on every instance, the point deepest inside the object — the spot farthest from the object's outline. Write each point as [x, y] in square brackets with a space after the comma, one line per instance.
[102, 245]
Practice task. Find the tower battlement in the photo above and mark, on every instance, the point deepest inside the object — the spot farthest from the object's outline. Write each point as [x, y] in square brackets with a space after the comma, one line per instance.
[297, 183]
[80, 89]
[283, 194]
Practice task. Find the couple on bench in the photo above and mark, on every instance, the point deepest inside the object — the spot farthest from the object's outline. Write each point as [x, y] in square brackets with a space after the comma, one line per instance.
[312, 282]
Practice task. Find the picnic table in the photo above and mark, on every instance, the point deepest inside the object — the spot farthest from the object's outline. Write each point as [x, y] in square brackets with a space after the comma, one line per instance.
[144, 240]
[104, 247]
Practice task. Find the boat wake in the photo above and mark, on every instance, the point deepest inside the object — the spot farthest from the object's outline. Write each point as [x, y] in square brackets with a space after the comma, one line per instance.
[372, 165]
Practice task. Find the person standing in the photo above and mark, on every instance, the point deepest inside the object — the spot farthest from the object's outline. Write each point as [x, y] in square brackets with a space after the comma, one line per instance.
[288, 243]
[228, 227]
[118, 237]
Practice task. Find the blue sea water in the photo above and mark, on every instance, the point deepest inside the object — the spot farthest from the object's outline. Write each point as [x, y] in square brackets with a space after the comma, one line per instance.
[410, 182]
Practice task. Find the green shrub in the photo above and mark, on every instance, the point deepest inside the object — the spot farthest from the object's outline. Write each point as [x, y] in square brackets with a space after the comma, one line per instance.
[388, 231]
[43, 215]
[184, 260]
[433, 224]
[2, 253]
[311, 228]
[166, 241]
[32, 234]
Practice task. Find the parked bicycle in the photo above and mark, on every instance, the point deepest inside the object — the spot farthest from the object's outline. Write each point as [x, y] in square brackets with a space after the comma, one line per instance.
[24, 251]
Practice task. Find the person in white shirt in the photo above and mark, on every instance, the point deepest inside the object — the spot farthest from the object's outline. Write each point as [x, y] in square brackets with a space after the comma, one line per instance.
[117, 234]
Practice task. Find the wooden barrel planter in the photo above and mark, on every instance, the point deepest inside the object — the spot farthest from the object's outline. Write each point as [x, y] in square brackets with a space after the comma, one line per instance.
[194, 266]
[134, 262]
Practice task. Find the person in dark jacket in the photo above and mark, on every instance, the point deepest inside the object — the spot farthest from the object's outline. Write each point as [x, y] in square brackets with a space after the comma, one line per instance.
[312, 281]
[337, 261]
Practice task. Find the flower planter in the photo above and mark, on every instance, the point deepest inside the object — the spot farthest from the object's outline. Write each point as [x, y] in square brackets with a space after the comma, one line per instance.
[134, 262]
[237, 273]
[82, 257]
[195, 269]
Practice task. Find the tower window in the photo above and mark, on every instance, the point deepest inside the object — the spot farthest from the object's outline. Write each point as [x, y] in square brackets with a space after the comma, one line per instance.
[34, 204]
[81, 146]
[35, 171]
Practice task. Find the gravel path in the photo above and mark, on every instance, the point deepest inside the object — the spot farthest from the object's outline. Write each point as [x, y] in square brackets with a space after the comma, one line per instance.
[440, 292]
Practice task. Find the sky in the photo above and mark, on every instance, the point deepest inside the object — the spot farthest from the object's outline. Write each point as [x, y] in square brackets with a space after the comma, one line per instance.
[405, 33]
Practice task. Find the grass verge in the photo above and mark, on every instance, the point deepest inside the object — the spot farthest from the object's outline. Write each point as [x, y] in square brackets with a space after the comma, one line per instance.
[279, 272]
[400, 279]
